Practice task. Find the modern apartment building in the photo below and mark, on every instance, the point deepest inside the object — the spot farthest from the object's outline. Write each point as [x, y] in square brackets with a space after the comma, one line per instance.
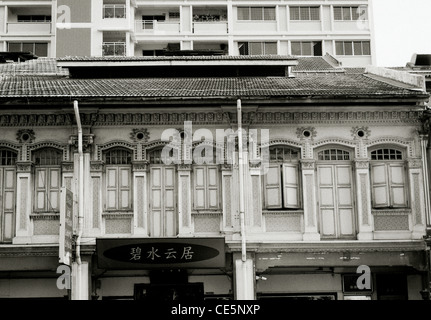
[151, 28]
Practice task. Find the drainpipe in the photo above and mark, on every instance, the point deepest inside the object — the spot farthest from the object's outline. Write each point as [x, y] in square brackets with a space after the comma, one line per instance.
[241, 184]
[81, 184]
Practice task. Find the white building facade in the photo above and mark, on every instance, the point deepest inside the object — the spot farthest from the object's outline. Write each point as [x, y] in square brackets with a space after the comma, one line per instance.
[342, 29]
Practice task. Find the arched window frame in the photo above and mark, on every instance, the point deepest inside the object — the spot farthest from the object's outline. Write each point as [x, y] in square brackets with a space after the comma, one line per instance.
[47, 179]
[8, 159]
[118, 179]
[282, 182]
[388, 175]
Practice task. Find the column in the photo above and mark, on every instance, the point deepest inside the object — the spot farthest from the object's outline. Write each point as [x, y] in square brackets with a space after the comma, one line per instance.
[80, 281]
[255, 198]
[311, 232]
[244, 276]
[417, 197]
[96, 195]
[363, 199]
[230, 208]
[184, 199]
[23, 203]
[140, 198]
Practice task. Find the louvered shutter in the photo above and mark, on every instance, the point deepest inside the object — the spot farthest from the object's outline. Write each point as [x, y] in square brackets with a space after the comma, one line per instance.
[273, 187]
[379, 182]
[111, 188]
[397, 185]
[199, 192]
[290, 185]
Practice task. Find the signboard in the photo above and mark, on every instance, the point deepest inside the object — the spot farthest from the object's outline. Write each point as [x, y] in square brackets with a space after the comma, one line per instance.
[160, 253]
[66, 226]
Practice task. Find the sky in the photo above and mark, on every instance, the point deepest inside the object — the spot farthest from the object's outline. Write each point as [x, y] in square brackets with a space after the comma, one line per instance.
[401, 28]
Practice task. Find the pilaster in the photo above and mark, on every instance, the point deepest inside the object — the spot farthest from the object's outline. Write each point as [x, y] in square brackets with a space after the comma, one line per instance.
[417, 197]
[23, 204]
[140, 198]
[363, 199]
[311, 232]
[184, 199]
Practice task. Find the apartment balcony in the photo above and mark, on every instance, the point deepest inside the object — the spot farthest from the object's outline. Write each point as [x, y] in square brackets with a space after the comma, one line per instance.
[28, 28]
[150, 27]
[210, 27]
[113, 49]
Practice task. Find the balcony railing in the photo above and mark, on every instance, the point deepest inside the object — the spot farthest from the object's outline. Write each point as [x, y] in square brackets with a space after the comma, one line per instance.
[113, 49]
[114, 11]
[210, 27]
[154, 26]
[28, 28]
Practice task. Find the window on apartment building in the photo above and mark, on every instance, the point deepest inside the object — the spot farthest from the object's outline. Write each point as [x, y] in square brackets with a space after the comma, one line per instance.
[47, 180]
[306, 48]
[118, 179]
[257, 48]
[174, 15]
[388, 178]
[114, 11]
[38, 49]
[353, 48]
[350, 13]
[281, 183]
[256, 13]
[34, 18]
[305, 13]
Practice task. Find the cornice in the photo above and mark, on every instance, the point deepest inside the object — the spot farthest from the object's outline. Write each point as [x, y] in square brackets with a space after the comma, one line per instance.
[140, 119]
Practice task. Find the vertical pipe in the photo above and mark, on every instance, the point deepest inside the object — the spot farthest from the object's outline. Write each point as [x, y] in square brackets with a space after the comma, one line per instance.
[81, 184]
[241, 183]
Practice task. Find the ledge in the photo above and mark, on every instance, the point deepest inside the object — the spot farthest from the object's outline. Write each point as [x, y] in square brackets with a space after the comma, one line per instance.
[45, 216]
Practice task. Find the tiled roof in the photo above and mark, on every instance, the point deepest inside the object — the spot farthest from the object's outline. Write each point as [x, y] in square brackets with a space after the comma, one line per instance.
[315, 64]
[40, 66]
[318, 84]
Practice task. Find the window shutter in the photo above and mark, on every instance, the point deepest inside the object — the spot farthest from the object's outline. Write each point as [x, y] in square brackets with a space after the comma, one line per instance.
[347, 13]
[41, 177]
[213, 188]
[243, 13]
[290, 185]
[199, 196]
[397, 185]
[124, 187]
[273, 187]
[305, 13]
[111, 188]
[315, 13]
[256, 13]
[379, 182]
[54, 189]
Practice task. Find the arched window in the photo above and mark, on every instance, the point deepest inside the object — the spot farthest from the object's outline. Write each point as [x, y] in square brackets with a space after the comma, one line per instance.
[281, 182]
[333, 155]
[47, 182]
[388, 178]
[118, 179]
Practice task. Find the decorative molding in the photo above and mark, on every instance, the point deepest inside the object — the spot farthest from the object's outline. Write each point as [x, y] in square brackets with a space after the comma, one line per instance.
[140, 166]
[49, 144]
[67, 166]
[139, 119]
[113, 144]
[45, 216]
[364, 193]
[305, 133]
[25, 136]
[184, 167]
[87, 141]
[97, 166]
[391, 212]
[308, 164]
[414, 163]
[117, 215]
[140, 135]
[334, 141]
[356, 130]
[417, 199]
[300, 212]
[362, 163]
[390, 140]
[24, 166]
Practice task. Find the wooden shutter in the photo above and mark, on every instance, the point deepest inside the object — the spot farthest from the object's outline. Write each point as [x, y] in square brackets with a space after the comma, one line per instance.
[156, 201]
[53, 187]
[397, 185]
[327, 200]
[379, 185]
[273, 187]
[111, 188]
[7, 203]
[199, 192]
[170, 228]
[124, 180]
[40, 184]
[290, 185]
[213, 187]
